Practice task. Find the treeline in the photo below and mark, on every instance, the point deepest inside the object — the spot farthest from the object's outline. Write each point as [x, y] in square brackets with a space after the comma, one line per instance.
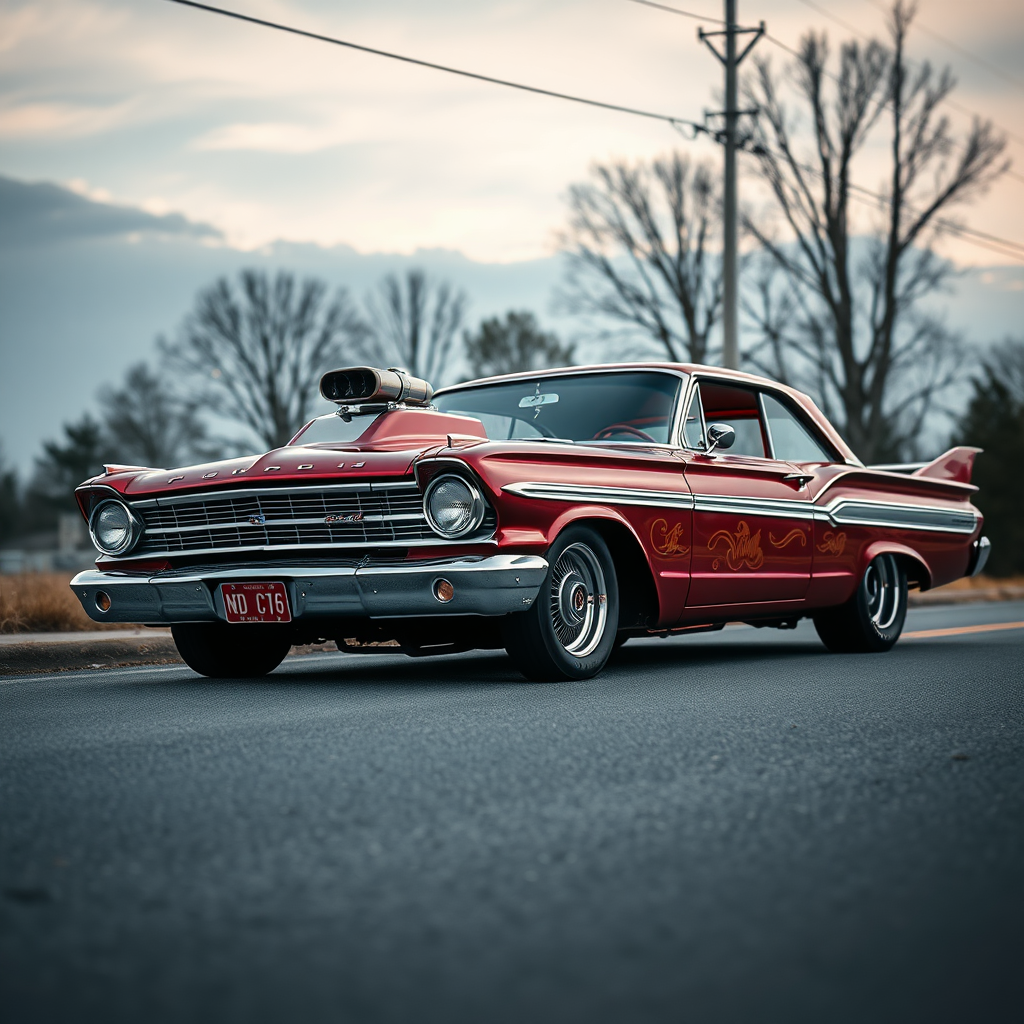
[242, 375]
[840, 280]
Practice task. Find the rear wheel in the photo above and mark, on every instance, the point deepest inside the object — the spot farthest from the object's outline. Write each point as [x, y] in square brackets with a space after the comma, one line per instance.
[872, 620]
[570, 630]
[230, 652]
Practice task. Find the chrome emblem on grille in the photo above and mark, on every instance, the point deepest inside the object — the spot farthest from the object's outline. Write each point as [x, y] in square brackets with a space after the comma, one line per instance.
[259, 520]
[352, 517]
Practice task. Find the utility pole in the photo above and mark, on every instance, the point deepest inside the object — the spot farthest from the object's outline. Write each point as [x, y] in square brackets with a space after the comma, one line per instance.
[731, 115]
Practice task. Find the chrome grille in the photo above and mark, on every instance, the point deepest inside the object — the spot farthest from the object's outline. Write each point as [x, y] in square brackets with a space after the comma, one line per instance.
[349, 515]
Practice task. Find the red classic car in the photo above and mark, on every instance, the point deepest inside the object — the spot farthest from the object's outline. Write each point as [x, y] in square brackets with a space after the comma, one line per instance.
[555, 514]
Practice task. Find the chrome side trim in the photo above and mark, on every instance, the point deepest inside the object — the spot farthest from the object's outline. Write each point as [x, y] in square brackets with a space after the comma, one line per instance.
[929, 518]
[780, 508]
[600, 495]
[839, 512]
[898, 467]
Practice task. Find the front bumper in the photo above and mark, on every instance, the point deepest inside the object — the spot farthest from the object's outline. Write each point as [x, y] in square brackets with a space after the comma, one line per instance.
[492, 585]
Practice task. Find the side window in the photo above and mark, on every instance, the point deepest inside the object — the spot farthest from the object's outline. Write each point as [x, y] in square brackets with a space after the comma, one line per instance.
[693, 427]
[791, 440]
[738, 408]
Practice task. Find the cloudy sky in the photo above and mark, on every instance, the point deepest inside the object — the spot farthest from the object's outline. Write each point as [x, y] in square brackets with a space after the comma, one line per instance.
[266, 136]
[146, 148]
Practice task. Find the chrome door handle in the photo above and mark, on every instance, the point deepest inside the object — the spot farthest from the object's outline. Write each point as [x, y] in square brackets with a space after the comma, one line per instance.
[800, 479]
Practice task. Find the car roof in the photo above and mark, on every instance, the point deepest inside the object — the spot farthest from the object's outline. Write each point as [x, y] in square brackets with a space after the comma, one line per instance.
[805, 403]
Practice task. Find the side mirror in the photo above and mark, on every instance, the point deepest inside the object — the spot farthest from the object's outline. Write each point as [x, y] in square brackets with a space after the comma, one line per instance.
[720, 435]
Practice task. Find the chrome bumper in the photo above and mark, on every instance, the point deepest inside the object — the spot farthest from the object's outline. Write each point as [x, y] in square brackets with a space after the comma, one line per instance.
[493, 585]
[980, 550]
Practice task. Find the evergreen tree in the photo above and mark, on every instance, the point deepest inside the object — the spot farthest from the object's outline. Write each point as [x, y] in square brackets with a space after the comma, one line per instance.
[63, 466]
[11, 510]
[514, 344]
[994, 421]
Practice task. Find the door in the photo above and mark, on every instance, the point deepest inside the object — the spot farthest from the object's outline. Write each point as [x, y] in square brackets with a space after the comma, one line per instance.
[752, 518]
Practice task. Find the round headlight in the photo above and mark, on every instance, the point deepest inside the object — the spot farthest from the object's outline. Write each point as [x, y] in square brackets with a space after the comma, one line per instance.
[113, 527]
[453, 506]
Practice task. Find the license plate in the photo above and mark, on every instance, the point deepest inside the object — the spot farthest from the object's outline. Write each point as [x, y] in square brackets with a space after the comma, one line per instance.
[256, 602]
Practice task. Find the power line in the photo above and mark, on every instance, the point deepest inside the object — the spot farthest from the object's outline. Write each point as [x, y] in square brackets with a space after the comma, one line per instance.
[973, 113]
[980, 238]
[963, 51]
[789, 49]
[835, 78]
[835, 17]
[438, 67]
[677, 10]
[951, 103]
[977, 238]
[1002, 246]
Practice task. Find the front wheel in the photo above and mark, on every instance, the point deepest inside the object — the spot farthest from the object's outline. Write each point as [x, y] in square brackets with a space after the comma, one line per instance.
[872, 620]
[570, 630]
[230, 652]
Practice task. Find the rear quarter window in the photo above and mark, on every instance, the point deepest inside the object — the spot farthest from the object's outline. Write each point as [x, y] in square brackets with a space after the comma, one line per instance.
[792, 440]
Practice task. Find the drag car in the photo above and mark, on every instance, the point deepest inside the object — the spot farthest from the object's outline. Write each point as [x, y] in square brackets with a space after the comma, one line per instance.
[554, 514]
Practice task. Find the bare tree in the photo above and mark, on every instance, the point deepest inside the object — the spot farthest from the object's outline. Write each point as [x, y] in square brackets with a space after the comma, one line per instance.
[257, 352]
[514, 344]
[637, 245]
[148, 423]
[853, 326]
[413, 323]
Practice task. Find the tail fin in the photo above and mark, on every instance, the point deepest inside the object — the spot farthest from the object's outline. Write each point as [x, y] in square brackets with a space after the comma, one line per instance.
[955, 465]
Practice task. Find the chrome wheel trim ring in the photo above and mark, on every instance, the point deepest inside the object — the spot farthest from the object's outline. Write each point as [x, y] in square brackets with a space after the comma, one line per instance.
[881, 582]
[579, 600]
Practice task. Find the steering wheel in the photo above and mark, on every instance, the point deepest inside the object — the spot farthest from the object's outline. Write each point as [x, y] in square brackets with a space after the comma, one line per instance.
[621, 428]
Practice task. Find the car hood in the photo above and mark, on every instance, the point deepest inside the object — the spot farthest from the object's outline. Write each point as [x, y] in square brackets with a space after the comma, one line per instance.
[387, 449]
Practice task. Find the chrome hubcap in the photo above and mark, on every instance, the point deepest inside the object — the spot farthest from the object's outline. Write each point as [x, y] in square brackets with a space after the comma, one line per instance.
[881, 584]
[579, 600]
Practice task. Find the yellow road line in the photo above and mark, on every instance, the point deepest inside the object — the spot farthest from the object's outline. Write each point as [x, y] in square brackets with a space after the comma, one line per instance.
[921, 634]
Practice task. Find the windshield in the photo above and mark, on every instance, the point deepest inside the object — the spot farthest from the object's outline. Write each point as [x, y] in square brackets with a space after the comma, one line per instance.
[630, 406]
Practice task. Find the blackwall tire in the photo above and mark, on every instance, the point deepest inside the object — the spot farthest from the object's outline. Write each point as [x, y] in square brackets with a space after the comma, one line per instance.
[230, 652]
[872, 620]
[571, 628]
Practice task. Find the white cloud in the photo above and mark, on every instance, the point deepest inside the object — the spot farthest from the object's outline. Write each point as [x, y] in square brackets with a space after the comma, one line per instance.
[44, 120]
[268, 135]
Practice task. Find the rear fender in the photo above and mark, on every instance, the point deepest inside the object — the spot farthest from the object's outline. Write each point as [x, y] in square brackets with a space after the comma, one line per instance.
[916, 567]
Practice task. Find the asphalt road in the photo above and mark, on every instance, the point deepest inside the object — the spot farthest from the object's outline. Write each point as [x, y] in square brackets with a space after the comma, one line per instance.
[729, 827]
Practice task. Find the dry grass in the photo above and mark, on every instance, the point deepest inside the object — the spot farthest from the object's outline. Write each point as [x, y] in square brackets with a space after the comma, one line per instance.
[42, 602]
[985, 583]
